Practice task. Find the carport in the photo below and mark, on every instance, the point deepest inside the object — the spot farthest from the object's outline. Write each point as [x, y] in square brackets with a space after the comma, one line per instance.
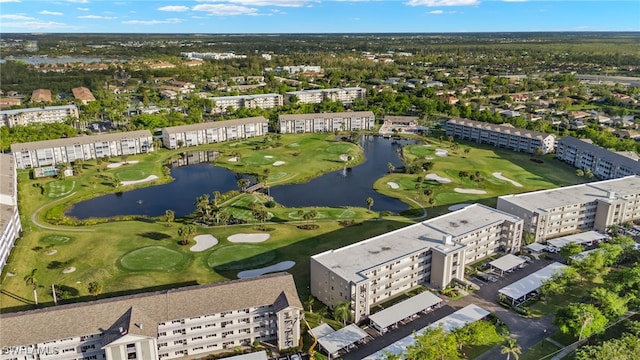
[536, 247]
[341, 339]
[406, 309]
[321, 331]
[526, 287]
[586, 239]
[507, 263]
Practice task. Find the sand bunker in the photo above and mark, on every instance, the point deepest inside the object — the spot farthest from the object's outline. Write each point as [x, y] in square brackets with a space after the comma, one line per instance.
[427, 145]
[344, 157]
[204, 242]
[281, 266]
[278, 163]
[268, 157]
[428, 157]
[458, 207]
[501, 177]
[393, 185]
[233, 159]
[442, 153]
[69, 270]
[436, 177]
[469, 191]
[133, 182]
[248, 238]
[52, 252]
[118, 164]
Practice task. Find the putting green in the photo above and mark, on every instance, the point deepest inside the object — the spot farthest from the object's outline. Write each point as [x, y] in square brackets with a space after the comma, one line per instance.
[60, 188]
[152, 258]
[257, 160]
[339, 149]
[420, 150]
[56, 239]
[277, 176]
[240, 257]
[131, 174]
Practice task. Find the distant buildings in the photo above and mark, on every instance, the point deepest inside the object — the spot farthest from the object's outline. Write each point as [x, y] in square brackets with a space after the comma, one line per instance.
[63, 151]
[592, 206]
[299, 69]
[603, 163]
[343, 95]
[326, 122]
[259, 101]
[211, 132]
[211, 55]
[504, 136]
[7, 102]
[10, 226]
[435, 252]
[39, 115]
[189, 322]
[83, 94]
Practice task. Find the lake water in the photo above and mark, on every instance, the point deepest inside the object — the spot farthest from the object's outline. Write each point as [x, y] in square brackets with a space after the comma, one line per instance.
[348, 187]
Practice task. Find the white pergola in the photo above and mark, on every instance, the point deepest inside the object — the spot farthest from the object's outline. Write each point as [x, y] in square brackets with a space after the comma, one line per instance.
[392, 315]
[507, 263]
[519, 290]
[340, 339]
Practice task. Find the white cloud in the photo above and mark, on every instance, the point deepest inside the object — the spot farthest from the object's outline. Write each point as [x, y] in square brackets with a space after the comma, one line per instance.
[281, 3]
[436, 12]
[433, 3]
[152, 22]
[225, 9]
[174, 8]
[83, 9]
[47, 12]
[8, 1]
[34, 25]
[78, 1]
[16, 17]
[97, 17]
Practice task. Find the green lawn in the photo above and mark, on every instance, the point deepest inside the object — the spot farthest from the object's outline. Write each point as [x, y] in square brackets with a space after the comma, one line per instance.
[540, 351]
[129, 172]
[152, 258]
[60, 188]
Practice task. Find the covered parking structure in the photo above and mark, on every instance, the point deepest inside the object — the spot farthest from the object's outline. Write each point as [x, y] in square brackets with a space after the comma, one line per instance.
[528, 286]
[507, 263]
[458, 319]
[586, 239]
[536, 247]
[344, 338]
[407, 309]
[321, 331]
[260, 355]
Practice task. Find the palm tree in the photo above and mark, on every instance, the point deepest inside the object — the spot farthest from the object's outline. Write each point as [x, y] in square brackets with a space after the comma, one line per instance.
[95, 288]
[243, 183]
[169, 216]
[342, 312]
[185, 232]
[30, 280]
[511, 347]
[391, 167]
[310, 302]
[369, 203]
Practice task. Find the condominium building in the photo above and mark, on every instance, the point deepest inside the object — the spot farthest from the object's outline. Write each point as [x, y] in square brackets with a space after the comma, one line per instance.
[504, 135]
[211, 132]
[189, 322]
[592, 206]
[432, 252]
[10, 225]
[259, 101]
[38, 115]
[63, 151]
[326, 122]
[603, 163]
[343, 95]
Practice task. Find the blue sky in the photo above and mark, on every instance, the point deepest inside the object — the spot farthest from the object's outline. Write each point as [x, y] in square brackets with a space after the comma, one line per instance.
[316, 16]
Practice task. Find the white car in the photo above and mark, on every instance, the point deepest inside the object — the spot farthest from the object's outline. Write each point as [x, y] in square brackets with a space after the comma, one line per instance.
[295, 357]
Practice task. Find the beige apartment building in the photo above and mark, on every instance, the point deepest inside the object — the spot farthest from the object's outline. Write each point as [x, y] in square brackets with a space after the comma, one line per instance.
[316, 96]
[592, 206]
[10, 225]
[503, 135]
[216, 131]
[259, 101]
[189, 322]
[603, 163]
[39, 115]
[62, 151]
[326, 122]
[432, 252]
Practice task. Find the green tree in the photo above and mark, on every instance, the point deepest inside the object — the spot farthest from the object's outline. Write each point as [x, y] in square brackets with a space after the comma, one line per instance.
[95, 288]
[185, 232]
[511, 347]
[611, 304]
[580, 320]
[30, 280]
[342, 312]
[369, 203]
[169, 216]
[434, 344]
[243, 183]
[391, 167]
[570, 250]
[627, 347]
[592, 266]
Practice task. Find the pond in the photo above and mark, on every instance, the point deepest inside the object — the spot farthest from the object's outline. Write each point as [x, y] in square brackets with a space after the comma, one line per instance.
[347, 187]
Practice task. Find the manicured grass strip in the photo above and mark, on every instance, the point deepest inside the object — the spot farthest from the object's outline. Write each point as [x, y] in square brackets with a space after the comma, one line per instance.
[56, 239]
[542, 350]
[59, 188]
[240, 257]
[339, 149]
[152, 258]
[258, 160]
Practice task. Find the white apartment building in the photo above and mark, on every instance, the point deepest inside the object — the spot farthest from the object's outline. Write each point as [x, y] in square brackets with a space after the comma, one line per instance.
[435, 251]
[259, 101]
[326, 122]
[343, 95]
[189, 322]
[592, 206]
[10, 225]
[504, 135]
[211, 132]
[38, 115]
[63, 151]
[294, 69]
[603, 163]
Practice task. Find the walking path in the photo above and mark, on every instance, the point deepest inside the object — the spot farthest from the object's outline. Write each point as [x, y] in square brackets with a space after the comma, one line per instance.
[34, 217]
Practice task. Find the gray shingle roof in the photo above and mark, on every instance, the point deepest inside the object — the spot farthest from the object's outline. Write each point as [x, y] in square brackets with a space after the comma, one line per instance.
[502, 128]
[215, 124]
[148, 309]
[601, 153]
[79, 140]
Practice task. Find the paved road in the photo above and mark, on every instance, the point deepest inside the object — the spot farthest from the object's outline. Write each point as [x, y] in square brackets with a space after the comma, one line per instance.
[528, 331]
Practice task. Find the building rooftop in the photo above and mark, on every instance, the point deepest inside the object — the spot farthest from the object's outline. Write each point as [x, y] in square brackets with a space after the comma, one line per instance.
[82, 93]
[286, 117]
[352, 261]
[215, 124]
[502, 128]
[602, 153]
[38, 109]
[79, 140]
[544, 200]
[142, 313]
[400, 119]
